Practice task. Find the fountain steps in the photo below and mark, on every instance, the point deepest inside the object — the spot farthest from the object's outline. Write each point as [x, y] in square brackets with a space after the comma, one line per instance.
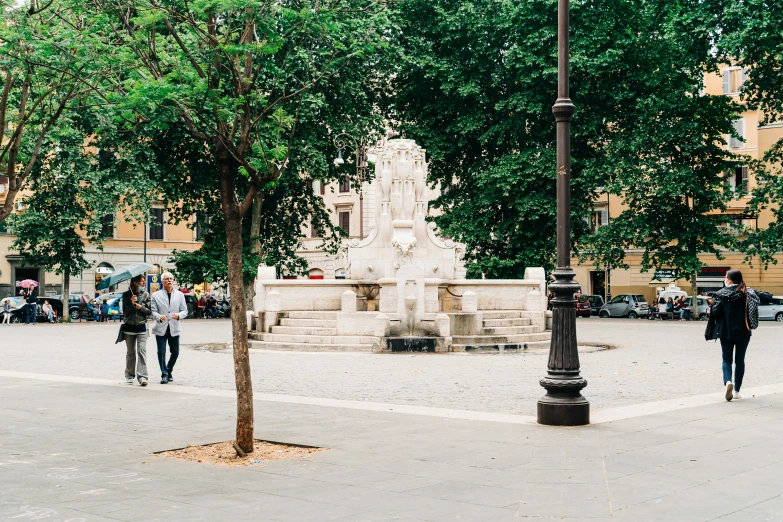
[494, 315]
[310, 339]
[500, 339]
[303, 330]
[308, 347]
[496, 348]
[509, 330]
[309, 323]
[522, 321]
[328, 316]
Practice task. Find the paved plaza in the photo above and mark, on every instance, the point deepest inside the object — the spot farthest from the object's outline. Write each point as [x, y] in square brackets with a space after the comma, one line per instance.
[425, 437]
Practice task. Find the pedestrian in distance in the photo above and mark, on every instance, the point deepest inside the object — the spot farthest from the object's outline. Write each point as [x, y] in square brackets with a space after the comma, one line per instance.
[734, 315]
[31, 308]
[104, 311]
[136, 308]
[7, 313]
[48, 311]
[168, 309]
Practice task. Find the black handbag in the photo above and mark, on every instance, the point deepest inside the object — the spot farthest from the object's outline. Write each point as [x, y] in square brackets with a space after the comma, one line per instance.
[121, 334]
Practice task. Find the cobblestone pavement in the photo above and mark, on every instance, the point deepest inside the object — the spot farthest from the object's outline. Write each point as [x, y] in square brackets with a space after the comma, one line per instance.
[649, 361]
[81, 450]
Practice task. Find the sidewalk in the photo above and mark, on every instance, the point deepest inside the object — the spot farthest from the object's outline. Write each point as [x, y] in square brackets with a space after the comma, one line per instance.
[80, 451]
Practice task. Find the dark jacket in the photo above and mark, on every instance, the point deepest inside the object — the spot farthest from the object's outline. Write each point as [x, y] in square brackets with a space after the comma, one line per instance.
[32, 296]
[133, 315]
[730, 313]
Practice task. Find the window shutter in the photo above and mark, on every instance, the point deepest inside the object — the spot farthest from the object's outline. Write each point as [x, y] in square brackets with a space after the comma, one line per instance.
[604, 218]
[739, 128]
[323, 187]
[345, 222]
[726, 81]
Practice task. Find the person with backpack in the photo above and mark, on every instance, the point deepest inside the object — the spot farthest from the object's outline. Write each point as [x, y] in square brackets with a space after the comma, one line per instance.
[734, 315]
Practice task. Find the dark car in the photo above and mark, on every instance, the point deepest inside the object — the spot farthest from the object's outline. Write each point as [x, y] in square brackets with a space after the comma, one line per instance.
[192, 303]
[583, 308]
[57, 306]
[76, 305]
[596, 302]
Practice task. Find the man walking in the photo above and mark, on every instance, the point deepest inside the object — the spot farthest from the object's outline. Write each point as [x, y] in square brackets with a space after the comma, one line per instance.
[168, 309]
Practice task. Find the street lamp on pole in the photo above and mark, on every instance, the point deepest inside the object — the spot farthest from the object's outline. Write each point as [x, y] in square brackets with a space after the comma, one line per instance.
[563, 404]
[346, 141]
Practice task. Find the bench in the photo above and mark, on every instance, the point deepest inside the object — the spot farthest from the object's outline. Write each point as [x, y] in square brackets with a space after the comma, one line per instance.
[658, 315]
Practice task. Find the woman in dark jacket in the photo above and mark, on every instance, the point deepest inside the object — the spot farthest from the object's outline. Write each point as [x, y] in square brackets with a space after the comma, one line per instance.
[730, 313]
[136, 309]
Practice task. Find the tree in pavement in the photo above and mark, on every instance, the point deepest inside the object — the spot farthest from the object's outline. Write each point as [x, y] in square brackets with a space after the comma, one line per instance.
[47, 230]
[748, 35]
[46, 70]
[667, 158]
[475, 83]
[233, 75]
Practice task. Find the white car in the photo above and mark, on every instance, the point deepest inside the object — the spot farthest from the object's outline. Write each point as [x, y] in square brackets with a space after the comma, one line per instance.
[771, 309]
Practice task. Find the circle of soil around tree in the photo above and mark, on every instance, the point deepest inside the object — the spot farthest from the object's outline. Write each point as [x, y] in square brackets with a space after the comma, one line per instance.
[224, 454]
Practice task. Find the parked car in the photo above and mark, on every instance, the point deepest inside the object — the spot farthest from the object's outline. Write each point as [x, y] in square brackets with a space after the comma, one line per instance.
[596, 302]
[17, 309]
[192, 302]
[75, 302]
[702, 301]
[770, 307]
[57, 306]
[583, 308]
[626, 305]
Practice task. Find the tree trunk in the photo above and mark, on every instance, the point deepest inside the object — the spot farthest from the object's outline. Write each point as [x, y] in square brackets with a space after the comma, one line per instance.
[255, 232]
[694, 300]
[244, 384]
[66, 296]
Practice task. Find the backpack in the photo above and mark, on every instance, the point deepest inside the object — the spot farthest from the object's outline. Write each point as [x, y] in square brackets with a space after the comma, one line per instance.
[753, 310]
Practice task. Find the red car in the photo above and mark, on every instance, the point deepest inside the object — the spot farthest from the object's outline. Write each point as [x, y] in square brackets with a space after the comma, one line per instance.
[583, 308]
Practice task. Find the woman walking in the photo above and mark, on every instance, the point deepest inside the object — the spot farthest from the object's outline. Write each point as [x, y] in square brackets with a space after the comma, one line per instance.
[136, 308]
[734, 315]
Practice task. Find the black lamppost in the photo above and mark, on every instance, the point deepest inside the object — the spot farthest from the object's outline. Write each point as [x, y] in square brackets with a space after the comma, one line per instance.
[563, 404]
[346, 141]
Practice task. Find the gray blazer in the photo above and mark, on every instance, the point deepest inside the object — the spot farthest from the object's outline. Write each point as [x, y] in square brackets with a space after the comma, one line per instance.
[161, 306]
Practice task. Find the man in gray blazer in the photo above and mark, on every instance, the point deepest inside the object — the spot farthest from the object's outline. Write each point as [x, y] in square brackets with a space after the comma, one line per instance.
[168, 309]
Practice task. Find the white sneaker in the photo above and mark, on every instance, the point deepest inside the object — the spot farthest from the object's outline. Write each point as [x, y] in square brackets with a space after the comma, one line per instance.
[129, 380]
[736, 395]
[729, 390]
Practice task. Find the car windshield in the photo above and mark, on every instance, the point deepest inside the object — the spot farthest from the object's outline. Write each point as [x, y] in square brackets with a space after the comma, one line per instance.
[584, 299]
[640, 298]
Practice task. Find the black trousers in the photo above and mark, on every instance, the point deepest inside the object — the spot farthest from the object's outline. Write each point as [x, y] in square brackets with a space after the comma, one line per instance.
[167, 368]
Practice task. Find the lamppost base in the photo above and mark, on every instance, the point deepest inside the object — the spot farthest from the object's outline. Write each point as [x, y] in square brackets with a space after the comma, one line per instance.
[563, 411]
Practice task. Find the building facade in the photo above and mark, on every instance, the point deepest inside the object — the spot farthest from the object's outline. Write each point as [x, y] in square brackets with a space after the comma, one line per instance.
[125, 245]
[757, 140]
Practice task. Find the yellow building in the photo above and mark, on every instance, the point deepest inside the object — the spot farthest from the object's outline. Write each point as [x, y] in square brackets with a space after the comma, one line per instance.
[125, 245]
[757, 140]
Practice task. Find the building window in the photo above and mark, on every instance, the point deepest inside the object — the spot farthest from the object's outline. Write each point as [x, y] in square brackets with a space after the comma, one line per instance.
[733, 80]
[107, 226]
[156, 223]
[345, 186]
[322, 186]
[598, 218]
[345, 222]
[314, 232]
[739, 128]
[738, 179]
[200, 228]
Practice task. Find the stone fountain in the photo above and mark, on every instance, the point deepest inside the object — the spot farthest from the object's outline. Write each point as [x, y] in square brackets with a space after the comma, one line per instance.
[406, 288]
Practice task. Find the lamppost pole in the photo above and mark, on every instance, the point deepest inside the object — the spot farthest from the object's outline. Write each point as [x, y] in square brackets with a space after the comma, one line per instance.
[563, 404]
